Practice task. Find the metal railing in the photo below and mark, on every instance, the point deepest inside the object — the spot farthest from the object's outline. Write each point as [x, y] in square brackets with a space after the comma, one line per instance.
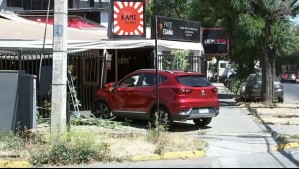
[86, 69]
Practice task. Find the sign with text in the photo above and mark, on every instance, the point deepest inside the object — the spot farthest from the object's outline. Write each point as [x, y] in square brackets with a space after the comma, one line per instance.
[215, 41]
[127, 19]
[175, 29]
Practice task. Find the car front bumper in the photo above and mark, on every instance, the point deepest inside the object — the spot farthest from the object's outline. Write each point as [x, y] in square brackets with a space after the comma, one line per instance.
[256, 94]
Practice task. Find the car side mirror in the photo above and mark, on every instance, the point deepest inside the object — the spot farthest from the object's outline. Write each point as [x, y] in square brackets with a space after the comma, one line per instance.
[114, 86]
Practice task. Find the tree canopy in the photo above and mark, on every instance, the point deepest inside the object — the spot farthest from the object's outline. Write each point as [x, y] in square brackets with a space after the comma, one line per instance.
[258, 29]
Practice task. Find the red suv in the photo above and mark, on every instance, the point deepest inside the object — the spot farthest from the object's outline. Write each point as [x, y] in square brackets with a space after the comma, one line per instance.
[288, 77]
[183, 96]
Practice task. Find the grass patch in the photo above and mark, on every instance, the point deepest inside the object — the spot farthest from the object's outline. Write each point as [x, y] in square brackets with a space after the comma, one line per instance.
[10, 141]
[171, 142]
[96, 143]
[70, 148]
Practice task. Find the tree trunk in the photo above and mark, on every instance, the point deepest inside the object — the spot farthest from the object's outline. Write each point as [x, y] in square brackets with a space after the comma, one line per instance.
[268, 66]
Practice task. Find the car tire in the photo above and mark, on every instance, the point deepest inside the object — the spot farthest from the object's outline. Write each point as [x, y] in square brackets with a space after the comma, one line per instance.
[103, 111]
[164, 118]
[280, 100]
[202, 122]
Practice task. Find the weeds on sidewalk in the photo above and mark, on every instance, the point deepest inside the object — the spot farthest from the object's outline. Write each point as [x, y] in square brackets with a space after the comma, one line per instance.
[169, 142]
[71, 148]
[95, 144]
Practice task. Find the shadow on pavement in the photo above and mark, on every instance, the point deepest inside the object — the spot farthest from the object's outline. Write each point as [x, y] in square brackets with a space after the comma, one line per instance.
[175, 127]
[226, 96]
[185, 127]
[228, 104]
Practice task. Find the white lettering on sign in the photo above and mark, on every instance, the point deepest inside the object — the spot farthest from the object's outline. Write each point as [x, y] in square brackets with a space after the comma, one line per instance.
[167, 32]
[168, 24]
[215, 41]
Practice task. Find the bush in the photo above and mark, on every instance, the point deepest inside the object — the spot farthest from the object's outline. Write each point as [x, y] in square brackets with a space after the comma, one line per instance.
[158, 137]
[235, 85]
[10, 141]
[71, 149]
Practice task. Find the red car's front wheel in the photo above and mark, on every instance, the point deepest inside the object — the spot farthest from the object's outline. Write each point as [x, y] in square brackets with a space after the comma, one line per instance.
[161, 118]
[103, 111]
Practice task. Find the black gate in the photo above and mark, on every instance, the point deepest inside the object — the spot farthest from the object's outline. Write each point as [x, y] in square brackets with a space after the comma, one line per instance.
[86, 70]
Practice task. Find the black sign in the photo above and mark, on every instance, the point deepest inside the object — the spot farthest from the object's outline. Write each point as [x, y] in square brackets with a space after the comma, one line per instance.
[215, 42]
[174, 29]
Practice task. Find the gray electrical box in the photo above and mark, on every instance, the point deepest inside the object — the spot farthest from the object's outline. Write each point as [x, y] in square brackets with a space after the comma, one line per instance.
[17, 100]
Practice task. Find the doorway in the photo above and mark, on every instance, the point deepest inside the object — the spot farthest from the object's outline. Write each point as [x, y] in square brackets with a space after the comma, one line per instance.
[130, 60]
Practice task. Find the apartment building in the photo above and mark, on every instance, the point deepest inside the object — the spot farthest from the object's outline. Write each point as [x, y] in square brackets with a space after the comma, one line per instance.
[82, 10]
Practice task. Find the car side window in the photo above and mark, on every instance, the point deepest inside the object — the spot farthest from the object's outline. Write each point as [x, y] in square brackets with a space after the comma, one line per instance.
[131, 81]
[149, 80]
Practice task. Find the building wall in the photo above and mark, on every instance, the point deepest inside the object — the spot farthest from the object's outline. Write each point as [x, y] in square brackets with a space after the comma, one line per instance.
[104, 18]
[2, 4]
[82, 4]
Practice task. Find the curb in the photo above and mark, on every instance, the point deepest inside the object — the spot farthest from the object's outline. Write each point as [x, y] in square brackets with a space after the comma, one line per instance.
[14, 164]
[287, 146]
[170, 155]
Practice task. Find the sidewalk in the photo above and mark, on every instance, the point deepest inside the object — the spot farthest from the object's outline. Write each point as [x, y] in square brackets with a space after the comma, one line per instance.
[276, 129]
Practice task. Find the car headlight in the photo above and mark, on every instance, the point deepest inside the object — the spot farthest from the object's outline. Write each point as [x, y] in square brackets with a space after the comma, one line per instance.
[279, 86]
[255, 86]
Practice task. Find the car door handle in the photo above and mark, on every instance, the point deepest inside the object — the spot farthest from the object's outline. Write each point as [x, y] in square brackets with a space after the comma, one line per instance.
[154, 95]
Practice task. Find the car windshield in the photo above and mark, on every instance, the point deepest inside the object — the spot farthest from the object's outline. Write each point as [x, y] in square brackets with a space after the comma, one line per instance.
[194, 81]
[259, 78]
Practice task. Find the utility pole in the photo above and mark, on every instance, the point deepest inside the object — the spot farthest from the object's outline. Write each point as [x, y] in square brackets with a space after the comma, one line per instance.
[59, 78]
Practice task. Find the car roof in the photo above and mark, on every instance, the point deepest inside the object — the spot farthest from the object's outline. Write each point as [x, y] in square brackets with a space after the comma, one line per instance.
[168, 72]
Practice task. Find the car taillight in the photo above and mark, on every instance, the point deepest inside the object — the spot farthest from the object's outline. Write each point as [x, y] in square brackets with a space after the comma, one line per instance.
[181, 91]
[215, 90]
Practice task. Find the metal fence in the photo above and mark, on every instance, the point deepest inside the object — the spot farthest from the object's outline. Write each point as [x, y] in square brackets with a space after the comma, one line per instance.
[86, 69]
[170, 62]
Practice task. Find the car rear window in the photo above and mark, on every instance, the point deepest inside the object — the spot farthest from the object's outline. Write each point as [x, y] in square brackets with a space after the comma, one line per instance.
[289, 73]
[194, 81]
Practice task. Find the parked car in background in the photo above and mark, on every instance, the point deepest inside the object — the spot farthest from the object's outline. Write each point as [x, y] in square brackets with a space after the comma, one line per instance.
[251, 88]
[288, 76]
[183, 96]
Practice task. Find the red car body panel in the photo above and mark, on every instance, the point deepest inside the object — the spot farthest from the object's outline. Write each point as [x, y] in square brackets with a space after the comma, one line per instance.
[143, 98]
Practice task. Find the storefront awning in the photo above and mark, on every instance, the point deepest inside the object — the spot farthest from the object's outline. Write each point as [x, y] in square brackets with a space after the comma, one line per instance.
[22, 34]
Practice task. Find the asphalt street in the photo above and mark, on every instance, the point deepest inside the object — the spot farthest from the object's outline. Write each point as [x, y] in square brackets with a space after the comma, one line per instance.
[291, 93]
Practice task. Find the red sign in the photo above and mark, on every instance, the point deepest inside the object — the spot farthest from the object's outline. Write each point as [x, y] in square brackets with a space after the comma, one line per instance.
[128, 18]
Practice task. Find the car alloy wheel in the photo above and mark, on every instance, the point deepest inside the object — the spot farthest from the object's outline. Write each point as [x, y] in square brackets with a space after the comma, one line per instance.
[280, 100]
[103, 111]
[202, 121]
[160, 119]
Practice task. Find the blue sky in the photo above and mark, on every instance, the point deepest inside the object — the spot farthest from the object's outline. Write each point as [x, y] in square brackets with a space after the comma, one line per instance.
[295, 20]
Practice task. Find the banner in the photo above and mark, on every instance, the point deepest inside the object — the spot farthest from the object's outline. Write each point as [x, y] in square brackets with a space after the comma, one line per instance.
[175, 29]
[215, 41]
